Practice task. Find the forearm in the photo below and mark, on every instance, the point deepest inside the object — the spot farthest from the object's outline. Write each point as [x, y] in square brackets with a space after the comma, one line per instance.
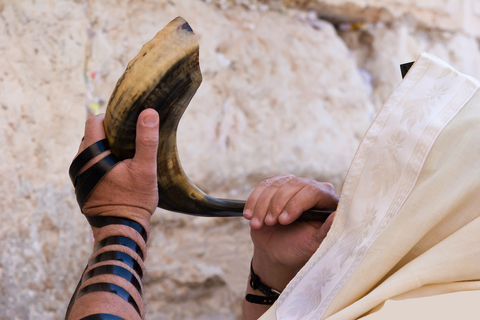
[112, 282]
[253, 311]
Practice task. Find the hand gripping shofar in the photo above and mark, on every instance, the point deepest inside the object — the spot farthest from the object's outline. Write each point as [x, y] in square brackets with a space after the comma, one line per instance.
[164, 76]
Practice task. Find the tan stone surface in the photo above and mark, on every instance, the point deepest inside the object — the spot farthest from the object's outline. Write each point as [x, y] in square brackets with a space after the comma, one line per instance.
[282, 92]
[44, 240]
[449, 15]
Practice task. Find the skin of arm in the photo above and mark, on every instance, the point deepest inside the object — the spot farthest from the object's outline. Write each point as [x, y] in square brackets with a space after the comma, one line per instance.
[128, 190]
[282, 245]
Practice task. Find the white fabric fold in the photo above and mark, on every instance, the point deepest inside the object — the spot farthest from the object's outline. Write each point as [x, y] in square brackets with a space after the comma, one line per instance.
[408, 217]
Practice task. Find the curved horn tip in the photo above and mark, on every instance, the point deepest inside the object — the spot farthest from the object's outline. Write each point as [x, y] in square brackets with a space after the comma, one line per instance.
[182, 24]
[187, 27]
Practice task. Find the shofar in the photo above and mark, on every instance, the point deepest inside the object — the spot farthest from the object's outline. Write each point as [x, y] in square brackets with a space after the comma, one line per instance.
[164, 76]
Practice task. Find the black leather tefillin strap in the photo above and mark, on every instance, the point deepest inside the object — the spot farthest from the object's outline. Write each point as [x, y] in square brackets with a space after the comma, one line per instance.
[118, 256]
[102, 316]
[271, 295]
[85, 156]
[120, 240]
[101, 221]
[109, 287]
[115, 270]
[85, 182]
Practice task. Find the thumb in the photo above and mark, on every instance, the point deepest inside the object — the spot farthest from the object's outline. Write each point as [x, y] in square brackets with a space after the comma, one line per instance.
[146, 143]
[322, 232]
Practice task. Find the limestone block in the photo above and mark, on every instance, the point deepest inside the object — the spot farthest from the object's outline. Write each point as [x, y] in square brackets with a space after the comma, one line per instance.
[447, 15]
[379, 50]
[43, 236]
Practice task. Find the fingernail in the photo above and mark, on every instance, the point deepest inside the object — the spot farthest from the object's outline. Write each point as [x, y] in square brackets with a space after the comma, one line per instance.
[247, 214]
[150, 120]
[255, 223]
[269, 217]
[283, 215]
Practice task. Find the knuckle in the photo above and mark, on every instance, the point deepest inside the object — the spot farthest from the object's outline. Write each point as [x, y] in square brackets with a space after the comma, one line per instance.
[328, 186]
[89, 121]
[93, 120]
[278, 183]
[314, 188]
[266, 182]
[295, 182]
[148, 142]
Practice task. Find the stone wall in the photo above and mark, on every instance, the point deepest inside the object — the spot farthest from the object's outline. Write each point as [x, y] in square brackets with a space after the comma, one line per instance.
[445, 15]
[287, 88]
[449, 15]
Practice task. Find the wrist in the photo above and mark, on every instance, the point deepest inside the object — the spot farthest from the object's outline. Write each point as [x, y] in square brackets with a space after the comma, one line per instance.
[270, 271]
[139, 217]
[131, 212]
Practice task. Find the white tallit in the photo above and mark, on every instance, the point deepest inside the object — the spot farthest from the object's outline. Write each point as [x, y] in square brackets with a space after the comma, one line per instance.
[408, 220]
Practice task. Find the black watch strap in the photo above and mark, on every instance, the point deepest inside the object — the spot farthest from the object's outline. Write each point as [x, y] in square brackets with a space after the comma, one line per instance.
[260, 299]
[271, 295]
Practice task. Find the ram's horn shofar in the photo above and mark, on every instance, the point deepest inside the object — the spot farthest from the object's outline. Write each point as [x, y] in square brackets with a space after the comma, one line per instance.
[164, 76]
